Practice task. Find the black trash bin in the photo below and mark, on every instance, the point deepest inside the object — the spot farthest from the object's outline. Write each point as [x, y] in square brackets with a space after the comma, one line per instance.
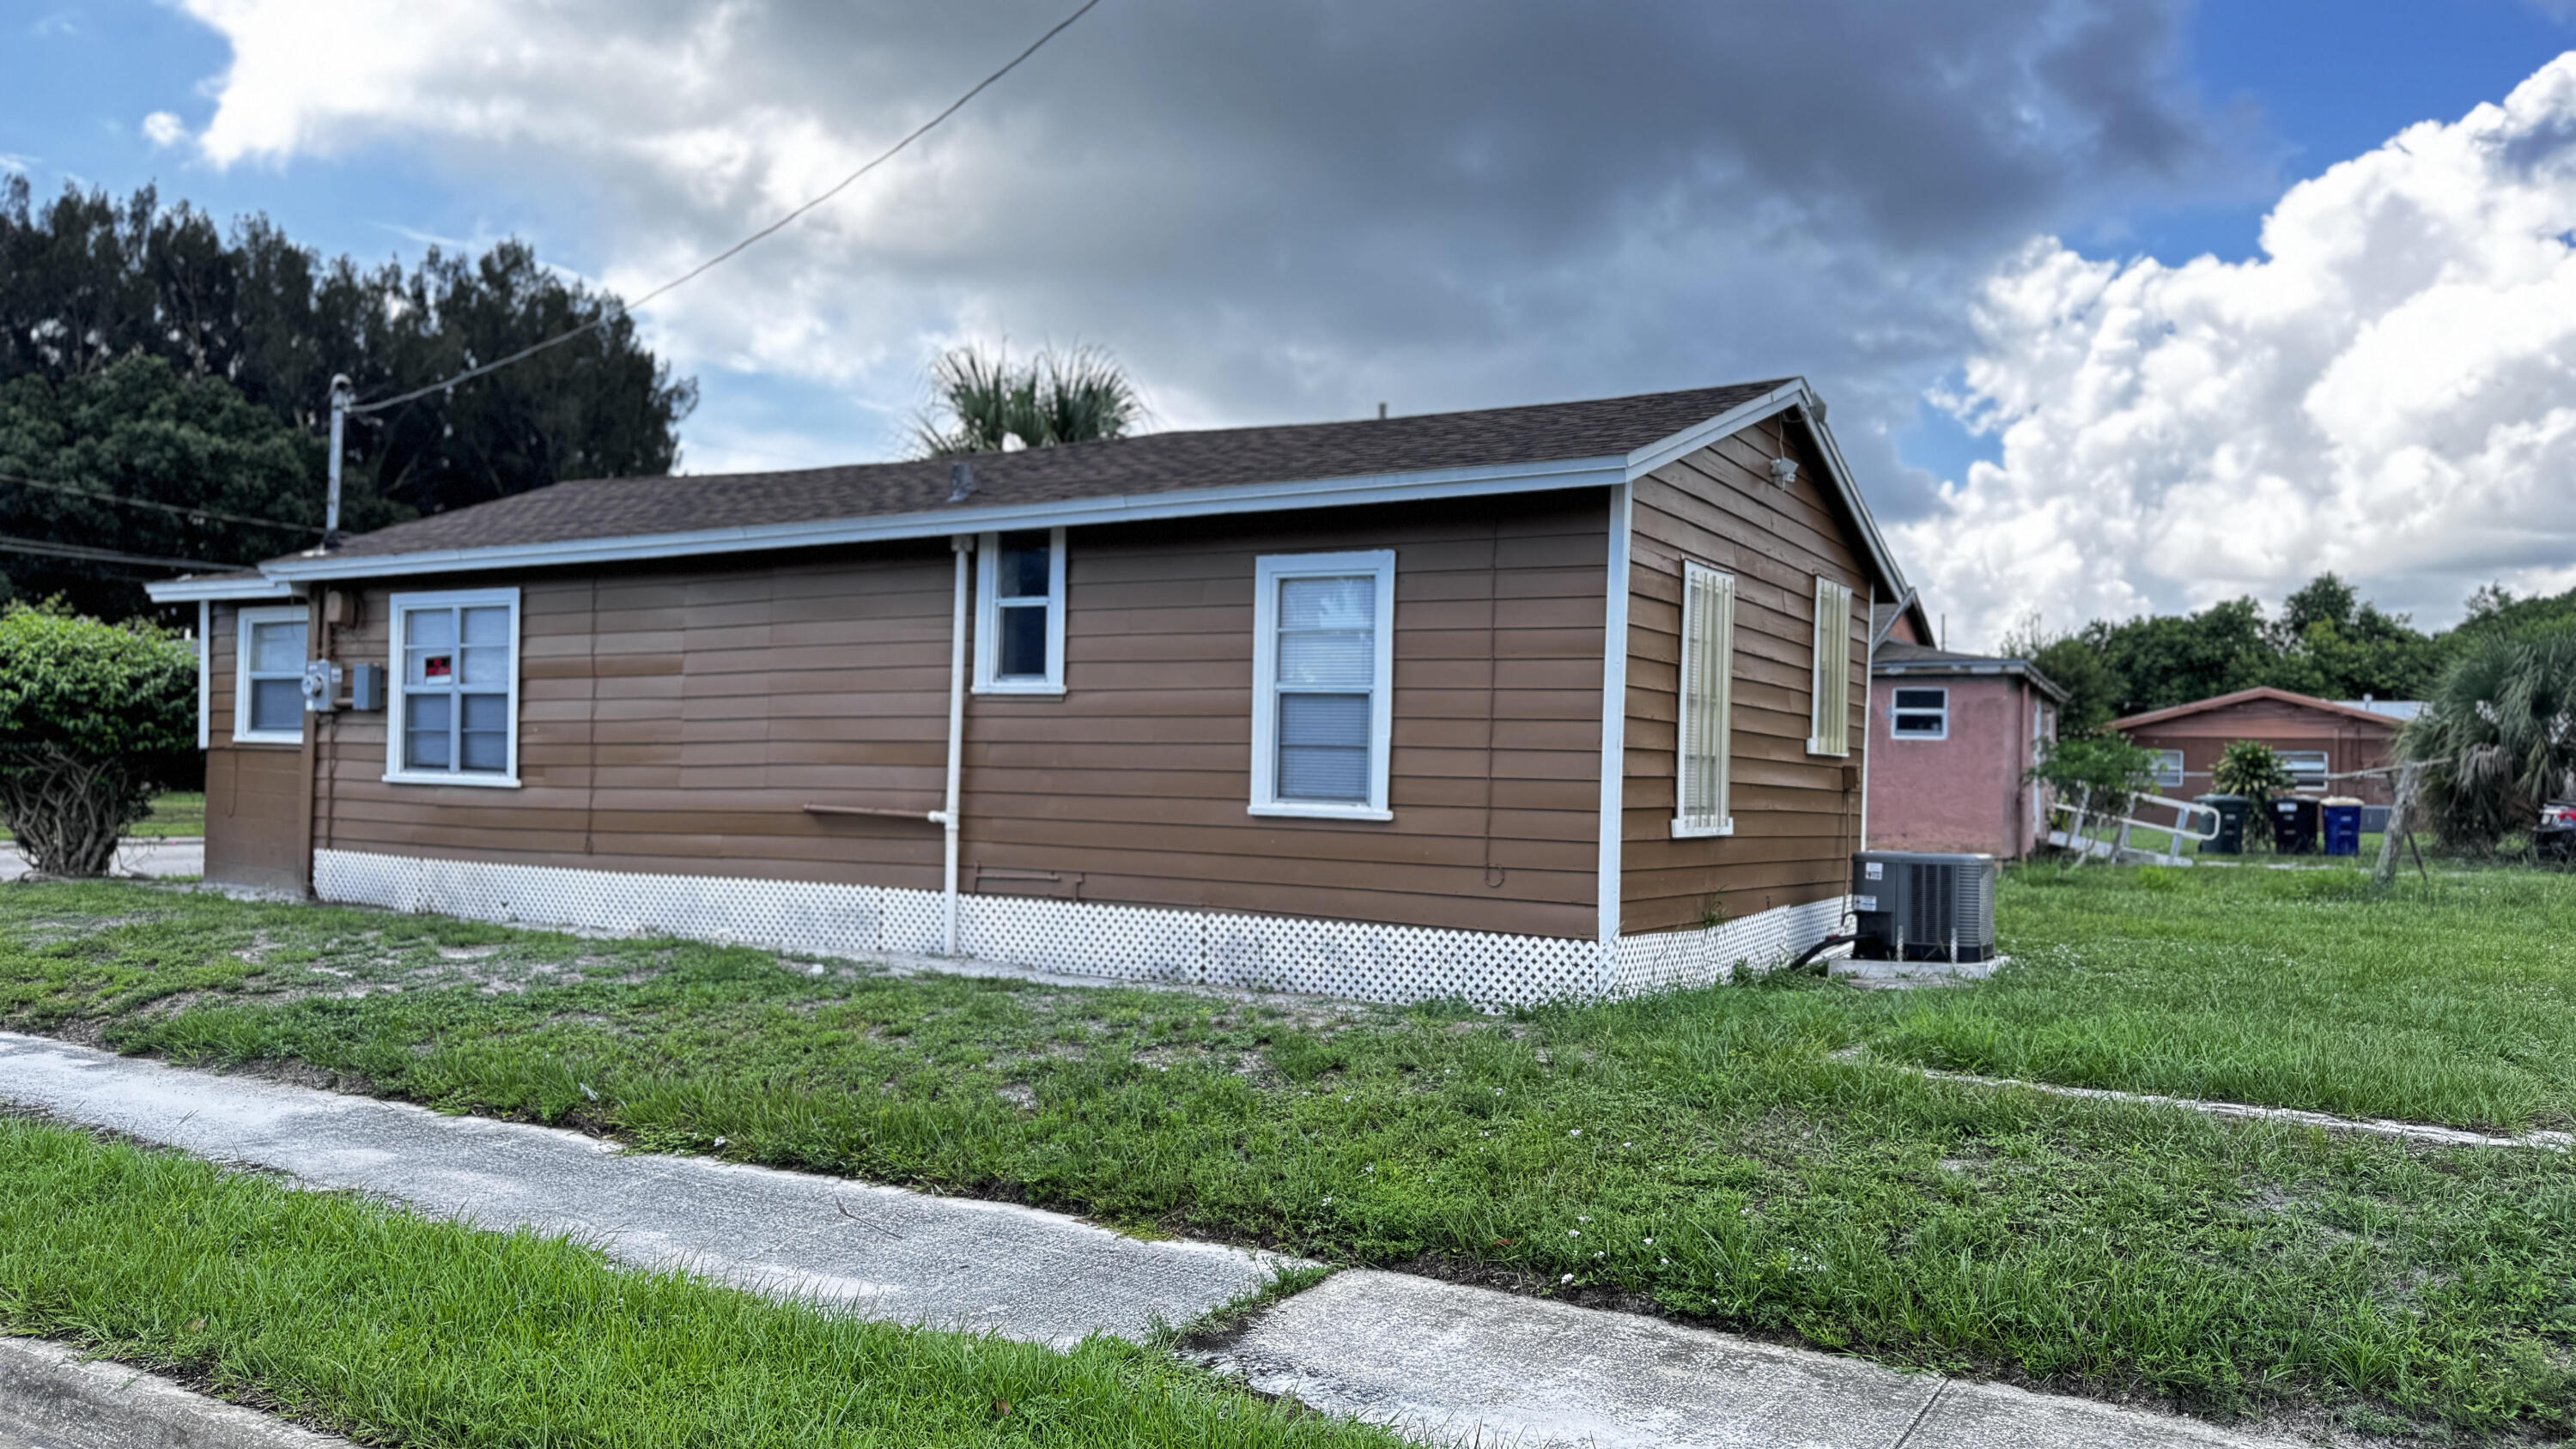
[2232, 810]
[2297, 825]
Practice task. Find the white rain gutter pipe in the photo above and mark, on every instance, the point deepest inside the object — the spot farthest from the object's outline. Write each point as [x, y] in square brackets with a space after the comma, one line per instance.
[963, 545]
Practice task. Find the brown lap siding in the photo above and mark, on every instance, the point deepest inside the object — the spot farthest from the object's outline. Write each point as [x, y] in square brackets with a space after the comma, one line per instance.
[676, 720]
[1796, 823]
[254, 836]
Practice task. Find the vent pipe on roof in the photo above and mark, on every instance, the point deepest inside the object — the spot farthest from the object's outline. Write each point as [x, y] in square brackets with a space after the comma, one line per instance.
[961, 480]
[1381, 412]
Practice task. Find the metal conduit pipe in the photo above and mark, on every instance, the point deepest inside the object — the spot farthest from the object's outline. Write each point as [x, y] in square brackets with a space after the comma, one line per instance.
[963, 545]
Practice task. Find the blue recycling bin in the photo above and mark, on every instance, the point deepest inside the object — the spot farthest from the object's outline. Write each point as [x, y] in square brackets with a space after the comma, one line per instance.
[2343, 826]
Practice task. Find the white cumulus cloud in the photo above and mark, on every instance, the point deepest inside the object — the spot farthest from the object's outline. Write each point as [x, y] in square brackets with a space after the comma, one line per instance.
[162, 128]
[2388, 391]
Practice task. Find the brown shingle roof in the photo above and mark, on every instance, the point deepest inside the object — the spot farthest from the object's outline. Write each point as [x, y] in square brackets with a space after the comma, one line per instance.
[1152, 463]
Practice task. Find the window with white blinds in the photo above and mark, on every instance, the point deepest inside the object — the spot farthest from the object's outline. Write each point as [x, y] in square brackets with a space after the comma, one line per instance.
[1707, 700]
[268, 677]
[1323, 667]
[1829, 729]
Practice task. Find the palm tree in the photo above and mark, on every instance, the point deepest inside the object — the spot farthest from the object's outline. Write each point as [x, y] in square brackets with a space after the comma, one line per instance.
[985, 404]
[2498, 737]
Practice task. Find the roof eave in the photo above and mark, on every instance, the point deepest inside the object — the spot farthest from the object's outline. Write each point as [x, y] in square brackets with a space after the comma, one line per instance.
[1793, 395]
[191, 590]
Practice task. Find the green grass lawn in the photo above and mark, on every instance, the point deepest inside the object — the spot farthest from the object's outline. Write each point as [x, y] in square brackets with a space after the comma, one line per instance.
[357, 1318]
[179, 813]
[1761, 1157]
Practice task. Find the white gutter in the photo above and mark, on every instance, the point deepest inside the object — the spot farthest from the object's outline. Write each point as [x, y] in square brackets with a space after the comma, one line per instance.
[197, 591]
[1614, 710]
[964, 546]
[205, 675]
[1427, 483]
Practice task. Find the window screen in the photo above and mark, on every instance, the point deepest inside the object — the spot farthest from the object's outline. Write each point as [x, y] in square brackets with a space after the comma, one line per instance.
[1707, 699]
[273, 676]
[1323, 661]
[457, 675]
[1829, 725]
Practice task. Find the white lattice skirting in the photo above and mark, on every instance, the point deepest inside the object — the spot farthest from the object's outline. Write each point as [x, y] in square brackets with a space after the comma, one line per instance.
[1356, 959]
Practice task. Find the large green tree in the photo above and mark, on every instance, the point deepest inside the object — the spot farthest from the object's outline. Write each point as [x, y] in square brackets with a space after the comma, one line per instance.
[87, 280]
[142, 432]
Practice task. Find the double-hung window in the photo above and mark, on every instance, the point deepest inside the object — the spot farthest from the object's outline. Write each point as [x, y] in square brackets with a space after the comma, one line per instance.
[268, 677]
[1829, 728]
[2168, 769]
[1707, 701]
[1919, 714]
[454, 715]
[1323, 680]
[1019, 624]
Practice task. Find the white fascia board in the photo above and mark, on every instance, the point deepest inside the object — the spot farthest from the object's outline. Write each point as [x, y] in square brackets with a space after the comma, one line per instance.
[189, 591]
[1791, 394]
[1429, 483]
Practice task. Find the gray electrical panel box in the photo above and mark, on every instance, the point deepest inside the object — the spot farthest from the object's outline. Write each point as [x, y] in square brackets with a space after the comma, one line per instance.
[1922, 907]
[367, 687]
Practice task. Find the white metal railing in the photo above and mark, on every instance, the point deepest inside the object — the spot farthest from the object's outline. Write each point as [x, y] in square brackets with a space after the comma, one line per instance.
[2115, 845]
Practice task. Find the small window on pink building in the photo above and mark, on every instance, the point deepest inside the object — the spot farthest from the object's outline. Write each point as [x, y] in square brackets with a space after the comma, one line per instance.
[1920, 714]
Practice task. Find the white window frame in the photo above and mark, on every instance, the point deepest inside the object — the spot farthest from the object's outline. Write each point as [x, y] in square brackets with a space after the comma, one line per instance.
[243, 622]
[1893, 710]
[2308, 779]
[1697, 577]
[396, 699]
[2169, 778]
[988, 618]
[1829, 695]
[1268, 572]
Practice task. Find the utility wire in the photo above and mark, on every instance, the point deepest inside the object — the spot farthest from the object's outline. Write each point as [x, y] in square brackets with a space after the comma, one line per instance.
[621, 309]
[178, 508]
[102, 555]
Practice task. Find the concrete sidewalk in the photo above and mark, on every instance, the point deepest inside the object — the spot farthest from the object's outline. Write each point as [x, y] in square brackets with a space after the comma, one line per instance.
[160, 859]
[1438, 1361]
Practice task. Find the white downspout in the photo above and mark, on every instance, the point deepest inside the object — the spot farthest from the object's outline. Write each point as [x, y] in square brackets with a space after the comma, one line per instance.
[205, 675]
[1868, 711]
[964, 546]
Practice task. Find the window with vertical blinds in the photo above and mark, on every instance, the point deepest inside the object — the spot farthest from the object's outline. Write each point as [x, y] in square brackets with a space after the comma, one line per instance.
[1829, 730]
[1707, 700]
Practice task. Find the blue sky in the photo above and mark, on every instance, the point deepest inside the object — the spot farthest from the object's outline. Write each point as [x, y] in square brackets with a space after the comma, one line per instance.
[1282, 223]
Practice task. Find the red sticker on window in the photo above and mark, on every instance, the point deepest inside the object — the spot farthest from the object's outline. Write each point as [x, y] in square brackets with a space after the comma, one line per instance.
[434, 667]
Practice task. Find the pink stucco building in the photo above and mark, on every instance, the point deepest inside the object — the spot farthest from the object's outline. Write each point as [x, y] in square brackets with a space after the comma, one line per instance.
[1950, 736]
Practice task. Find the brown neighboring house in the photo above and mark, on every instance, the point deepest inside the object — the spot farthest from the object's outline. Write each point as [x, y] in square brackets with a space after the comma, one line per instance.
[1512, 705]
[2318, 739]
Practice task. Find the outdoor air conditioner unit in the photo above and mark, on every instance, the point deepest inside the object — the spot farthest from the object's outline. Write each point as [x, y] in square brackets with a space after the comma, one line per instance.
[1923, 907]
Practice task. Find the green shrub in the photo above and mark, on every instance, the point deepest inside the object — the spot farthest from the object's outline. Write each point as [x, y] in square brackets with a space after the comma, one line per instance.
[2102, 773]
[2252, 769]
[95, 719]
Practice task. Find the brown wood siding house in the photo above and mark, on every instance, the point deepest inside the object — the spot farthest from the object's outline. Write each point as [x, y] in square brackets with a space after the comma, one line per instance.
[1188, 743]
[2328, 744]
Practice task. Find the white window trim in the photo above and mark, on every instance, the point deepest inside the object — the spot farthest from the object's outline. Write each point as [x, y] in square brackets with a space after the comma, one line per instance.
[396, 695]
[1833, 686]
[243, 621]
[2174, 783]
[1684, 826]
[988, 619]
[1893, 711]
[1268, 571]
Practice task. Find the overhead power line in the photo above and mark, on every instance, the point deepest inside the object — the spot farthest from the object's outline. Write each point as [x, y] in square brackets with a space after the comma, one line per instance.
[729, 253]
[102, 555]
[178, 508]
